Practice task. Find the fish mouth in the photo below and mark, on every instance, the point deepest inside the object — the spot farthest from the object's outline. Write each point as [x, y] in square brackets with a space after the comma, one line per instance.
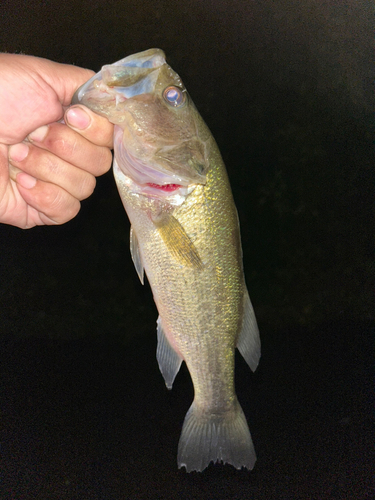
[167, 188]
[133, 75]
[81, 91]
[172, 194]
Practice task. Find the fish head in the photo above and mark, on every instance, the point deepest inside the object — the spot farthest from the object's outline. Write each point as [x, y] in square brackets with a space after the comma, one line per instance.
[159, 142]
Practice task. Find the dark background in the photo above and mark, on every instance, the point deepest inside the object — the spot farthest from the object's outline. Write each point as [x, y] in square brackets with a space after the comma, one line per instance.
[286, 89]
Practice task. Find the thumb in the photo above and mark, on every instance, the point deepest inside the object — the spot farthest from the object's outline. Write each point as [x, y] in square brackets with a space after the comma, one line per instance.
[34, 92]
[63, 78]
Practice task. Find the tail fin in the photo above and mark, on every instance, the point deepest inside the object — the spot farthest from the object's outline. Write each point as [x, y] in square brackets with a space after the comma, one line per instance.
[207, 437]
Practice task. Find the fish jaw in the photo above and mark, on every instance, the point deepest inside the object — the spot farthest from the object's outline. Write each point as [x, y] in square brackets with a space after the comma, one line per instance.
[117, 82]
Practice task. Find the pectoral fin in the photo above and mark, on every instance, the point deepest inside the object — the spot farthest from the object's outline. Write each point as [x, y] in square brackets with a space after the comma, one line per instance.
[136, 256]
[249, 341]
[177, 241]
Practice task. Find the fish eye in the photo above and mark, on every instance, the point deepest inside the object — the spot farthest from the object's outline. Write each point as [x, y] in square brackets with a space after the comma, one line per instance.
[174, 96]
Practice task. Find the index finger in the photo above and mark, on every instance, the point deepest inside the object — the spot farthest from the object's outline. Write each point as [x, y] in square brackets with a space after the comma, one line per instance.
[97, 129]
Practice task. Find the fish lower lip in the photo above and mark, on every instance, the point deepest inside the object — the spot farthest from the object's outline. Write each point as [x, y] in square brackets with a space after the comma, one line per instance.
[166, 187]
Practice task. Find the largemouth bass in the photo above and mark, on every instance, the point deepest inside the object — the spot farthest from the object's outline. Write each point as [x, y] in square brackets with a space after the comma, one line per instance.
[185, 236]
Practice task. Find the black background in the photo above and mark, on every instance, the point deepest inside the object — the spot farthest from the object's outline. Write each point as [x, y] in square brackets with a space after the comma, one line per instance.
[286, 89]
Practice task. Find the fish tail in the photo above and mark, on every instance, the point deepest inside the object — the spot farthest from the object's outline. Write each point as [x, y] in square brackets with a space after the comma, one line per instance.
[209, 437]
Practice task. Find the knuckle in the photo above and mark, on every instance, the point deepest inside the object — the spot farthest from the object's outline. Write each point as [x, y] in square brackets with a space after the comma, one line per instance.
[58, 204]
[101, 131]
[64, 148]
[88, 186]
[73, 210]
[104, 160]
[49, 196]
[61, 141]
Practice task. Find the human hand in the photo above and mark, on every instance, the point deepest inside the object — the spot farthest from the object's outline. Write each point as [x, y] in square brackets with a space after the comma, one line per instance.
[47, 167]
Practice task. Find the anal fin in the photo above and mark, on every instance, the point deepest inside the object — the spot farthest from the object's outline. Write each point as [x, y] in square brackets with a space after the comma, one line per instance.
[249, 341]
[169, 361]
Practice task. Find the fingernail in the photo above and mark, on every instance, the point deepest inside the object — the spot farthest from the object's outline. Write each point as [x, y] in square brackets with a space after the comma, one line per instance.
[18, 152]
[77, 118]
[25, 180]
[39, 134]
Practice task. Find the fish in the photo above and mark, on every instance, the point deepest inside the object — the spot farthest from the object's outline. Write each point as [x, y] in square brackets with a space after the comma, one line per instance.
[185, 237]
